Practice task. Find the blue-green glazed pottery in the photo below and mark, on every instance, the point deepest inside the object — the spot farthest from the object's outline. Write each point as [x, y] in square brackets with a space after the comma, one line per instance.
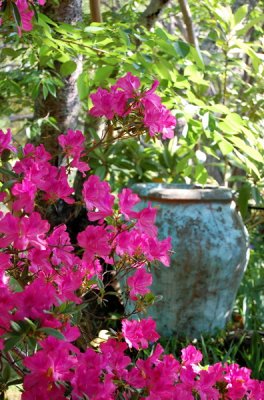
[209, 257]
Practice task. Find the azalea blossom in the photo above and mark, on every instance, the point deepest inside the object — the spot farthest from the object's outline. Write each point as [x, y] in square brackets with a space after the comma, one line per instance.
[5, 141]
[125, 98]
[138, 283]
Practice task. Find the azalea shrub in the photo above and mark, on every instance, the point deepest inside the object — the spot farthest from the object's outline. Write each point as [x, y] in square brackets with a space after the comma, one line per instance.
[45, 275]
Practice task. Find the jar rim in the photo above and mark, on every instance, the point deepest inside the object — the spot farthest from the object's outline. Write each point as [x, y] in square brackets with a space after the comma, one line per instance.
[183, 192]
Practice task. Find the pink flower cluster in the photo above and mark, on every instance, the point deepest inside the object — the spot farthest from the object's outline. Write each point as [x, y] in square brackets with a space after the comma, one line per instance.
[125, 99]
[109, 373]
[43, 277]
[26, 14]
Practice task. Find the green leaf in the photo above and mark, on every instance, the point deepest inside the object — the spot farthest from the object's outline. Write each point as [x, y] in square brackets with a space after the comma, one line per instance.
[16, 381]
[251, 166]
[232, 123]
[205, 120]
[197, 57]
[163, 69]
[83, 85]
[30, 323]
[16, 13]
[182, 164]
[6, 374]
[254, 22]
[16, 327]
[103, 73]
[219, 108]
[52, 332]
[200, 174]
[248, 150]
[224, 14]
[45, 90]
[173, 145]
[34, 9]
[182, 48]
[8, 51]
[225, 146]
[240, 13]
[68, 68]
[101, 171]
[211, 152]
[5, 171]
[162, 34]
[244, 196]
[255, 58]
[11, 342]
[94, 29]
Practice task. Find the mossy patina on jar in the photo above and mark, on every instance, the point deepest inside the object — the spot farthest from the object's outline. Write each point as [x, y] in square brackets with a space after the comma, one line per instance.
[210, 255]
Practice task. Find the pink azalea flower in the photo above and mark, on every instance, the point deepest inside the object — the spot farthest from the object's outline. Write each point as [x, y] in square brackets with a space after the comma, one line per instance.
[132, 243]
[137, 334]
[73, 146]
[2, 196]
[24, 232]
[40, 261]
[237, 379]
[97, 196]
[190, 355]
[136, 244]
[55, 185]
[124, 97]
[95, 241]
[256, 389]
[146, 221]
[34, 164]
[26, 16]
[37, 297]
[25, 192]
[113, 357]
[72, 143]
[129, 83]
[92, 269]
[5, 140]
[127, 200]
[5, 262]
[48, 367]
[157, 375]
[159, 250]
[7, 304]
[102, 101]
[138, 283]
[205, 385]
[90, 380]
[120, 102]
[68, 281]
[159, 120]
[59, 242]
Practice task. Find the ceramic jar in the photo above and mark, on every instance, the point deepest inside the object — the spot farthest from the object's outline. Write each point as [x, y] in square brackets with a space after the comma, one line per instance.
[210, 255]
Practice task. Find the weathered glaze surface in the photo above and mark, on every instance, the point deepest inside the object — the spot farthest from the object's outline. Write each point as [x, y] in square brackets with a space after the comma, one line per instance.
[210, 245]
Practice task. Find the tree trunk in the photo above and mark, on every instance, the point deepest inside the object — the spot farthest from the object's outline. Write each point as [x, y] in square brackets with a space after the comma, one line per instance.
[64, 108]
[152, 12]
[95, 9]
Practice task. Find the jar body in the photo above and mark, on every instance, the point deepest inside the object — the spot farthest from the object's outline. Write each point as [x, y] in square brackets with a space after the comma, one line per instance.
[210, 254]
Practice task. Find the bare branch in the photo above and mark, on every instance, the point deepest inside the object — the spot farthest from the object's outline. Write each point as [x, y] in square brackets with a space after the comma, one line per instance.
[186, 13]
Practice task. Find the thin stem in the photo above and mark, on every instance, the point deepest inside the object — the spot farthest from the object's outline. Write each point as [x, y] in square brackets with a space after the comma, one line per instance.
[225, 76]
[9, 358]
